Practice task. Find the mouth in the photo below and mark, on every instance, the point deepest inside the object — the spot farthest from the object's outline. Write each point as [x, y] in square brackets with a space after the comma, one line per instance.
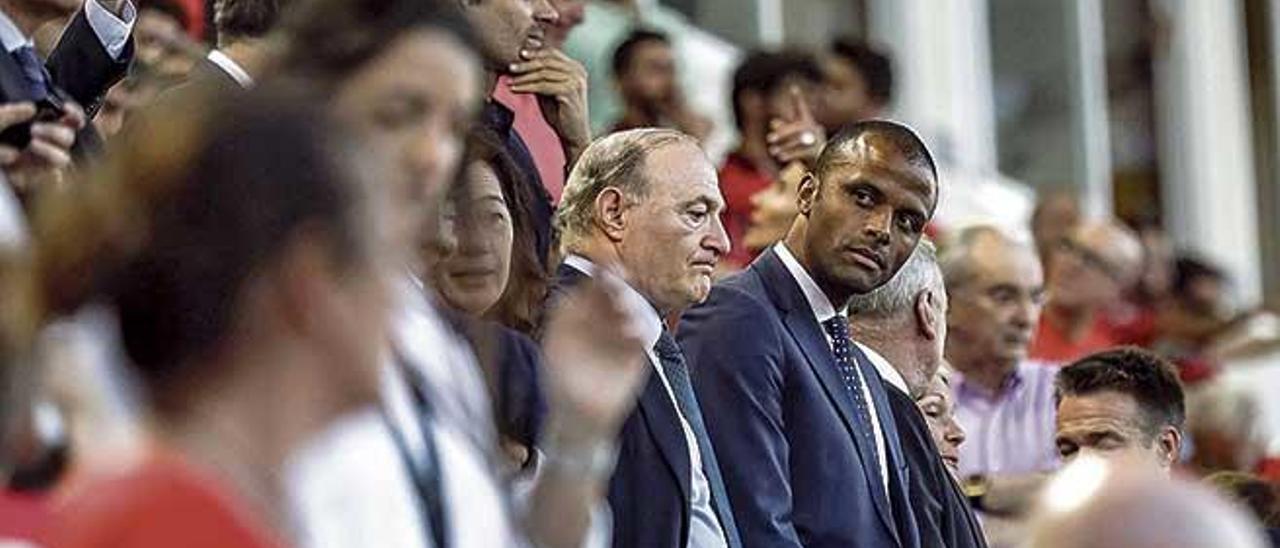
[865, 257]
[535, 40]
[703, 267]
[951, 460]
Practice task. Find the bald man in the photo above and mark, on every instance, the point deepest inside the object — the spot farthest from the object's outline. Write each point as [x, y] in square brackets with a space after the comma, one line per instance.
[1089, 269]
[1110, 504]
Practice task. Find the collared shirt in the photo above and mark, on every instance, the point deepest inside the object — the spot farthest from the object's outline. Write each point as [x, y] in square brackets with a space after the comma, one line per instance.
[232, 68]
[704, 528]
[887, 371]
[1011, 431]
[538, 134]
[112, 31]
[823, 310]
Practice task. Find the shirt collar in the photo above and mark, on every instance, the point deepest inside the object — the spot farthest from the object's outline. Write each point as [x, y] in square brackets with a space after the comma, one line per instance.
[10, 36]
[818, 301]
[231, 67]
[886, 370]
[650, 323]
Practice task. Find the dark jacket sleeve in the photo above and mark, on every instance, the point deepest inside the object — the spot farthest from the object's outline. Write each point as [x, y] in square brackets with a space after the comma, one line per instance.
[81, 66]
[736, 357]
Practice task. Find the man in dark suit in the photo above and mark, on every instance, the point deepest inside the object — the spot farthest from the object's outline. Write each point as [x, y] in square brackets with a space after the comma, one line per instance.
[241, 27]
[901, 328]
[645, 203]
[92, 55]
[797, 414]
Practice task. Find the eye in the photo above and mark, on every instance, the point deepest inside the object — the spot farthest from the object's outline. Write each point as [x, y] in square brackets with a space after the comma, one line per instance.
[863, 197]
[910, 223]
[697, 215]
[1067, 450]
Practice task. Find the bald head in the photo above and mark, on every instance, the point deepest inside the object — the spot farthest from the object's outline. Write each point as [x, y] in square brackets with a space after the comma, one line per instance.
[1095, 265]
[1091, 504]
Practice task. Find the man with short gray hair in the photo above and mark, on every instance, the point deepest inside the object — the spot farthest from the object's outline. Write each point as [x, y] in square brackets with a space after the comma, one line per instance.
[901, 327]
[645, 203]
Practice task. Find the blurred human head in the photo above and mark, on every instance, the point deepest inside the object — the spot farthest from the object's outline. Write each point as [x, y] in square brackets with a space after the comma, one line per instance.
[237, 20]
[504, 28]
[1199, 286]
[367, 58]
[1119, 504]
[1056, 214]
[996, 289]
[572, 13]
[1225, 425]
[483, 253]
[864, 207]
[648, 199]
[1252, 492]
[223, 235]
[644, 68]
[905, 320]
[938, 406]
[761, 85]
[1125, 403]
[857, 84]
[1093, 266]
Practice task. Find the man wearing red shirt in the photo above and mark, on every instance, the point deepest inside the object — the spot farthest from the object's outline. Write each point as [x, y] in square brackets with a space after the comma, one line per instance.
[1089, 269]
[772, 92]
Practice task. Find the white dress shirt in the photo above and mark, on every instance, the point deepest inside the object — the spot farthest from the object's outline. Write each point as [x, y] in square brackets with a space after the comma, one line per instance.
[112, 31]
[823, 310]
[887, 371]
[704, 528]
[231, 67]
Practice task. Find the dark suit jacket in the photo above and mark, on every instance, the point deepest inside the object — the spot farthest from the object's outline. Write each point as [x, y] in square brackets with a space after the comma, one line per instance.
[649, 490]
[780, 420]
[942, 513]
[80, 68]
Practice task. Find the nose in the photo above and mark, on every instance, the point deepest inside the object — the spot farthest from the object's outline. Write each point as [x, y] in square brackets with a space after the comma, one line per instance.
[430, 158]
[718, 240]
[955, 433]
[545, 13]
[878, 225]
[1026, 313]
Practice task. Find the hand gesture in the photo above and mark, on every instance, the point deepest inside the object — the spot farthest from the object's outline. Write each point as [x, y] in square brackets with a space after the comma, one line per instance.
[799, 139]
[550, 73]
[595, 363]
[49, 153]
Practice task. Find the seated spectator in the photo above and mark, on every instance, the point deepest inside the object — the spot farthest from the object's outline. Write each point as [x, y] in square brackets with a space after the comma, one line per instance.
[537, 100]
[1250, 491]
[482, 255]
[1090, 269]
[901, 327]
[1114, 504]
[857, 83]
[772, 94]
[939, 408]
[1125, 403]
[1224, 425]
[263, 187]
[644, 69]
[1003, 400]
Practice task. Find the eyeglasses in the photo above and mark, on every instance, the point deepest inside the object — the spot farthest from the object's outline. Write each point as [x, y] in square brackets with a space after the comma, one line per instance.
[1092, 259]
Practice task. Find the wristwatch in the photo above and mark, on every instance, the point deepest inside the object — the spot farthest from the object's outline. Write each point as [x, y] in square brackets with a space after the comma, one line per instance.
[975, 488]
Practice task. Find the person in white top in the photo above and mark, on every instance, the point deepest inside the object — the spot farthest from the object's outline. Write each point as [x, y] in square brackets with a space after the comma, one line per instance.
[424, 470]
[646, 203]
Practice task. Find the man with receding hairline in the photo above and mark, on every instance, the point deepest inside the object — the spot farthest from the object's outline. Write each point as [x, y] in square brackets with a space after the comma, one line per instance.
[797, 413]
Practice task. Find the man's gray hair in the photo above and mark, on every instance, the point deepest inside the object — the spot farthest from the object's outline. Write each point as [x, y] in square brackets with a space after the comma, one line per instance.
[957, 259]
[899, 294]
[617, 161]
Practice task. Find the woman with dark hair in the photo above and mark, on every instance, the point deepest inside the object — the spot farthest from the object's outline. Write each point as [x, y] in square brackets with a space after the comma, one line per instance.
[403, 74]
[241, 257]
[482, 263]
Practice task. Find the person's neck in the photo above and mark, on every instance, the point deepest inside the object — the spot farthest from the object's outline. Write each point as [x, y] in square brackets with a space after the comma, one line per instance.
[244, 428]
[887, 341]
[249, 53]
[795, 242]
[989, 374]
[604, 255]
[491, 81]
[1073, 322]
[27, 20]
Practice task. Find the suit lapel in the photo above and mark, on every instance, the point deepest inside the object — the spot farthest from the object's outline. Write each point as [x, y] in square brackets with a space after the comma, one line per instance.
[663, 423]
[803, 326]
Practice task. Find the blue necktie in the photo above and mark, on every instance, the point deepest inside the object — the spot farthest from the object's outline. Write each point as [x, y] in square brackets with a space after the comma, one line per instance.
[677, 373]
[842, 346]
[33, 71]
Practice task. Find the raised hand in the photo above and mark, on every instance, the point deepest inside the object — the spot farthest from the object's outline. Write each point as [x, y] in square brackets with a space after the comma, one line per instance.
[552, 74]
[49, 154]
[798, 138]
[595, 364]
